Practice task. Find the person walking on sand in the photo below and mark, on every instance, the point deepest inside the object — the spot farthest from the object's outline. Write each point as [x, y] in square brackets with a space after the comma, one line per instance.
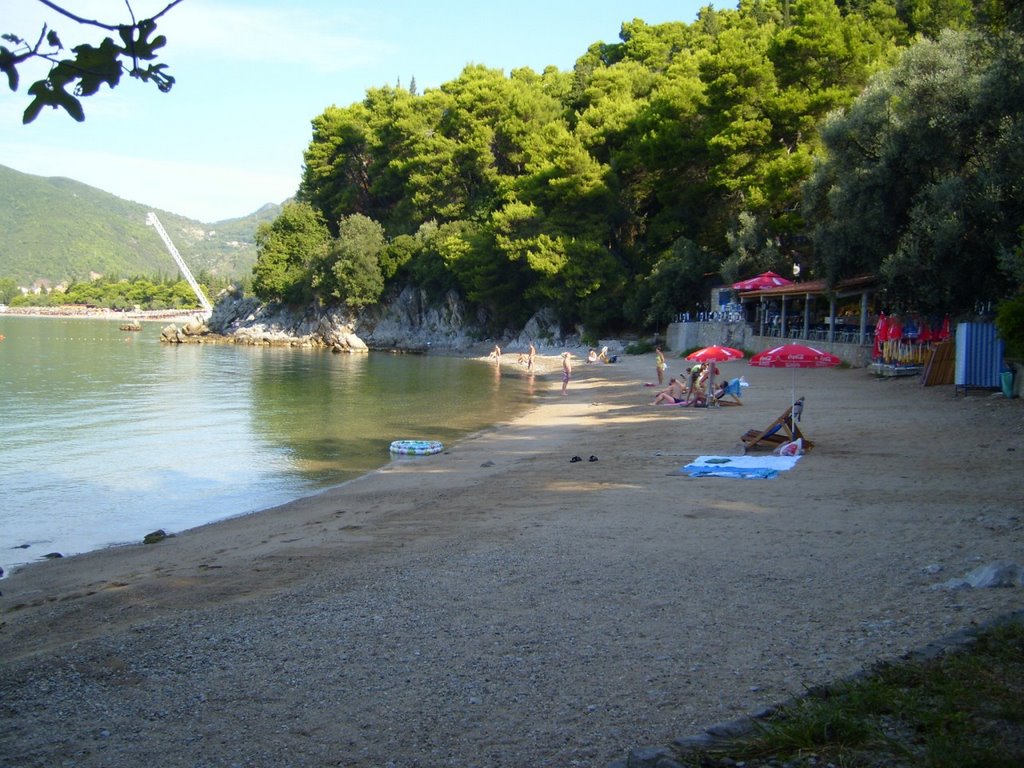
[566, 371]
[659, 364]
[531, 357]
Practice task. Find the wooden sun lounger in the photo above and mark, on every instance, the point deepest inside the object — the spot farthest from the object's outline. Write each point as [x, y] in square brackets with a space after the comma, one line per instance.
[733, 392]
[782, 430]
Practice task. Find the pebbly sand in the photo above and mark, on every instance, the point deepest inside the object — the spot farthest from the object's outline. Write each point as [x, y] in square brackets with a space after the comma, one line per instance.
[498, 605]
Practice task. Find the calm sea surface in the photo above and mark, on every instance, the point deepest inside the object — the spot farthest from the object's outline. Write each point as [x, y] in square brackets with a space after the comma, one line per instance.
[108, 435]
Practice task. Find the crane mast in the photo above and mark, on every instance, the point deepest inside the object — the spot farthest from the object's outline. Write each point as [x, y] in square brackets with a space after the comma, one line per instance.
[152, 220]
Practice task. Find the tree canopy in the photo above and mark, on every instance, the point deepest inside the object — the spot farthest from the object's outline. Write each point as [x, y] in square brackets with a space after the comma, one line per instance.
[842, 137]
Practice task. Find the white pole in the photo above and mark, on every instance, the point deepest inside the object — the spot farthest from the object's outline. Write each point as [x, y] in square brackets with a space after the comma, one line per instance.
[155, 223]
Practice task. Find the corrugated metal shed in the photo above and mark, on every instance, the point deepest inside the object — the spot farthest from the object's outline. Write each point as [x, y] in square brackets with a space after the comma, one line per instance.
[979, 356]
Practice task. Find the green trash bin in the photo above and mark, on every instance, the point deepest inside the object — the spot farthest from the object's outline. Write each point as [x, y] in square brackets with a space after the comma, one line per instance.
[1006, 379]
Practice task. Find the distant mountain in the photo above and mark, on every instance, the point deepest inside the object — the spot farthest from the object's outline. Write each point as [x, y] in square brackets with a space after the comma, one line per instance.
[58, 229]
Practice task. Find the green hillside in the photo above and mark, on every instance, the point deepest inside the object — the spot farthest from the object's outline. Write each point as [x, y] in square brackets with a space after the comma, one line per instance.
[59, 229]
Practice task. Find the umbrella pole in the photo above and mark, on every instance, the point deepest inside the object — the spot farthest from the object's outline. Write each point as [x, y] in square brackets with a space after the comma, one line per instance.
[792, 407]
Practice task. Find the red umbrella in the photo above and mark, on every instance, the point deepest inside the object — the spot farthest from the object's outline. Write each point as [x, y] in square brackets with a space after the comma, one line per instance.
[794, 356]
[764, 280]
[714, 354]
[881, 333]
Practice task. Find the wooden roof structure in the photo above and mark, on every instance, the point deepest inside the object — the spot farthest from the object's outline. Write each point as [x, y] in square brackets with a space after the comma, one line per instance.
[853, 286]
[863, 286]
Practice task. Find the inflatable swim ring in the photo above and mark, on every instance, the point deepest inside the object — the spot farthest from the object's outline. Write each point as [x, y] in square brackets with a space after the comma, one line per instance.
[416, 447]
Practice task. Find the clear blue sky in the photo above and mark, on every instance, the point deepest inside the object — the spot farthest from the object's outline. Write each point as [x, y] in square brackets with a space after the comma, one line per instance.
[252, 74]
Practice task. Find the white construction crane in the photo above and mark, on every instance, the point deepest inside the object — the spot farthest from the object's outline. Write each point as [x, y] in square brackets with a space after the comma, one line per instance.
[155, 223]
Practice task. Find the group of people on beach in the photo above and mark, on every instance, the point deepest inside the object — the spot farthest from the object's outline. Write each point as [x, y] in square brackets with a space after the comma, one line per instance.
[593, 356]
[528, 358]
[691, 386]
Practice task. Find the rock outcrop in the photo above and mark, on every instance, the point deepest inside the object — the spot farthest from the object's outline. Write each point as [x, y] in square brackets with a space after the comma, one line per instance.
[193, 330]
[409, 322]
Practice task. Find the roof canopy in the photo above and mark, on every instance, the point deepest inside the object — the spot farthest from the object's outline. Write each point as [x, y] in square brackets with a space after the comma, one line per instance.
[851, 287]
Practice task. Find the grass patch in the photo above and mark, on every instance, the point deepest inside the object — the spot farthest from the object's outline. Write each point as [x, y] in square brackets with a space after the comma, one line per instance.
[964, 709]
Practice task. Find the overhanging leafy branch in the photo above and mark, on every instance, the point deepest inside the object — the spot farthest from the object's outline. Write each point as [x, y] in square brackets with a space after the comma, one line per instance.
[72, 78]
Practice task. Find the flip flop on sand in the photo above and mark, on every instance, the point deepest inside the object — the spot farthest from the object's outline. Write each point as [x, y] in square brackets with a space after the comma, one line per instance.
[574, 459]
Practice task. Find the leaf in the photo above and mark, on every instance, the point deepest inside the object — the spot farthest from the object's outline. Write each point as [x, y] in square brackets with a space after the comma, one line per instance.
[73, 106]
[53, 40]
[142, 48]
[12, 74]
[96, 66]
[8, 65]
[48, 94]
[32, 111]
[127, 35]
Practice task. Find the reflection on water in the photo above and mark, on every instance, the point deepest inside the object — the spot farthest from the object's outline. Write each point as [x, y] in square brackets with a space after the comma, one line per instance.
[108, 435]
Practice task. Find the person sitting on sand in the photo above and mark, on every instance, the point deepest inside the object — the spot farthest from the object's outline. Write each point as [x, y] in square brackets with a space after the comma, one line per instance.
[592, 356]
[673, 394]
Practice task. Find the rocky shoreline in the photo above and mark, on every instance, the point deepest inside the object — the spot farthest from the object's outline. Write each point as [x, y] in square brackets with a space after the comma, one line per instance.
[409, 323]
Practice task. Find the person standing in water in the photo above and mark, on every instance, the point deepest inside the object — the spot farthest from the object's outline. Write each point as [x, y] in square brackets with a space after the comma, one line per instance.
[566, 371]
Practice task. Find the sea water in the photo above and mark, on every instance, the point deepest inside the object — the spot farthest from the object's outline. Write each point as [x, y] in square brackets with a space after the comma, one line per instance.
[108, 435]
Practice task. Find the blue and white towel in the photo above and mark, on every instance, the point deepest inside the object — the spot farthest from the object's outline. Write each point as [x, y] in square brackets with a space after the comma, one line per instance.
[749, 467]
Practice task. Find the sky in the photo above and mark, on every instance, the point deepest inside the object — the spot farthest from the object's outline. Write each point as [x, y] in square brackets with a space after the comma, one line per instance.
[252, 74]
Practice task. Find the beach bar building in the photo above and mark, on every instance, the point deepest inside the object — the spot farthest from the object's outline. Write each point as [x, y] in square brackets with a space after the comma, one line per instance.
[797, 311]
[837, 319]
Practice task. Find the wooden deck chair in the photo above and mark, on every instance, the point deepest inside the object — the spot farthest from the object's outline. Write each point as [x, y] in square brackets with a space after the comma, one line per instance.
[782, 430]
[733, 390]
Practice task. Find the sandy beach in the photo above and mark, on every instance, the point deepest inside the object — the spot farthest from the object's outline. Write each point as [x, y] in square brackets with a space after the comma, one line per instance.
[499, 605]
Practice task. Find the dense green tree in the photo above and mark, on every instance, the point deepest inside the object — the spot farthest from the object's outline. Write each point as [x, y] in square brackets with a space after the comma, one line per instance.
[115, 292]
[1010, 324]
[355, 272]
[289, 251]
[336, 178]
[396, 254]
[428, 269]
[681, 277]
[676, 157]
[922, 184]
[8, 290]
